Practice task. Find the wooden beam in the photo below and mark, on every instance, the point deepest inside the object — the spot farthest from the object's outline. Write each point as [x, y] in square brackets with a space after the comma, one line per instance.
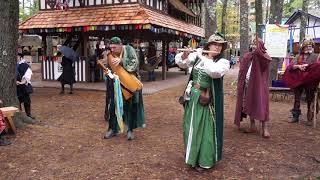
[164, 63]
[85, 44]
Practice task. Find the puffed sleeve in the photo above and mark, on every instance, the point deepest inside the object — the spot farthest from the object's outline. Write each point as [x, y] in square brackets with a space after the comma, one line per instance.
[185, 63]
[216, 69]
[27, 76]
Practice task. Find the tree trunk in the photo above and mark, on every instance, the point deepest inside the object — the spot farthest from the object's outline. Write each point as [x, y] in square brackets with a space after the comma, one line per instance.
[224, 17]
[244, 28]
[9, 15]
[210, 17]
[276, 11]
[303, 20]
[275, 18]
[267, 12]
[259, 18]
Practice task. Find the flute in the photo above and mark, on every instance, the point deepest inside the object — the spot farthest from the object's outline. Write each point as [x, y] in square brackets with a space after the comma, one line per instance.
[194, 50]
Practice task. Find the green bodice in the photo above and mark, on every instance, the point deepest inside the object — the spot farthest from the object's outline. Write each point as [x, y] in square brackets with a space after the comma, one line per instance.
[201, 77]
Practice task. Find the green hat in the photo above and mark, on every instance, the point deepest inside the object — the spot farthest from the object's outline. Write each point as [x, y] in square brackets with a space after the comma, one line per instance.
[217, 38]
[115, 40]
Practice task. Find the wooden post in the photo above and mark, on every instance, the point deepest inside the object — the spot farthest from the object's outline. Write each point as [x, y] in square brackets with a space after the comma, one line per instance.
[167, 55]
[164, 60]
[315, 107]
[85, 44]
[43, 53]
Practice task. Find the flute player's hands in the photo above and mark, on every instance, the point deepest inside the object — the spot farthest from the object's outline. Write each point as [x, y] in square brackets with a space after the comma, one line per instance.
[186, 53]
[199, 52]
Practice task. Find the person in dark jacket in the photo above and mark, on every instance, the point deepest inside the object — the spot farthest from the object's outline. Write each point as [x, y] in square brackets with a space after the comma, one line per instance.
[24, 88]
[68, 74]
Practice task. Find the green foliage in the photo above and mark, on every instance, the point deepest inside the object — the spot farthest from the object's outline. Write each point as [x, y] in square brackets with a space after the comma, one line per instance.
[290, 7]
[232, 21]
[26, 12]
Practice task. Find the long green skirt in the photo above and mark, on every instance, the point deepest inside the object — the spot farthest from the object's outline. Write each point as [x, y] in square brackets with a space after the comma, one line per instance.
[134, 111]
[200, 137]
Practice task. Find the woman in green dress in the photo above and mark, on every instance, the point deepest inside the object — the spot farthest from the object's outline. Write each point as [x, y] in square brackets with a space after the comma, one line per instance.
[203, 119]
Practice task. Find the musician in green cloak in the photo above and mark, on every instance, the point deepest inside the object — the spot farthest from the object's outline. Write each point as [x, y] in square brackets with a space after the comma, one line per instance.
[133, 110]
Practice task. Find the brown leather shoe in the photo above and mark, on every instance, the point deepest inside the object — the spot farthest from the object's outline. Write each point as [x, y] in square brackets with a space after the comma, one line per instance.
[200, 169]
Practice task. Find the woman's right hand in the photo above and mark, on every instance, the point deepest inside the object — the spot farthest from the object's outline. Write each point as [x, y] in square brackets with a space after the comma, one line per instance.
[185, 53]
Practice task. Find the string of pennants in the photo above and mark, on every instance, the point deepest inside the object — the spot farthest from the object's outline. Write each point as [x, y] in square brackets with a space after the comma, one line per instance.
[154, 29]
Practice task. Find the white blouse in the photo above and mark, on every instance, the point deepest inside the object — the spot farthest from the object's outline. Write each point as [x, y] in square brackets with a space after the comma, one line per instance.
[213, 69]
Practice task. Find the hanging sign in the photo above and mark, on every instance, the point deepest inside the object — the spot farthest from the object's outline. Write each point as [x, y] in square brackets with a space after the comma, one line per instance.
[276, 40]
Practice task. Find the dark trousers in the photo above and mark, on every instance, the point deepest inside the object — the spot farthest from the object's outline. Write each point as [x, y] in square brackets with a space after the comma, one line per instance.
[296, 111]
[25, 99]
[151, 76]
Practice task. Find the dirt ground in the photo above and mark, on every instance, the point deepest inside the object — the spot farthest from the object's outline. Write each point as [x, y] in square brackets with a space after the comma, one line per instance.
[68, 143]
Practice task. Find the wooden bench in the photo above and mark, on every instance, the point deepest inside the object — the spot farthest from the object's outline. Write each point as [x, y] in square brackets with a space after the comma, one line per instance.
[282, 91]
[8, 113]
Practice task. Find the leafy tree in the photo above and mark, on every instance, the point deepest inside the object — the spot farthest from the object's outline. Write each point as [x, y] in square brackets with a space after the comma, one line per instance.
[290, 7]
[232, 21]
[27, 11]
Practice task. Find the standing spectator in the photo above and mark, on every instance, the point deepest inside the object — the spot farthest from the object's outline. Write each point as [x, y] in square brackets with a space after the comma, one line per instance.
[151, 58]
[24, 87]
[68, 74]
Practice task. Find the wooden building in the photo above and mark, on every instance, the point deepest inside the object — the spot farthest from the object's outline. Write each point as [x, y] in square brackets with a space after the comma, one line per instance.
[77, 22]
[312, 29]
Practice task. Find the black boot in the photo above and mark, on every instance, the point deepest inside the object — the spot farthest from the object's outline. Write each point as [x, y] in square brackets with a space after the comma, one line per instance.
[4, 142]
[71, 89]
[62, 89]
[27, 107]
[295, 116]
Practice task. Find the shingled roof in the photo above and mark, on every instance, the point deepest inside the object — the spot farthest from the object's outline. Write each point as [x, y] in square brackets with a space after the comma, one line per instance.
[129, 14]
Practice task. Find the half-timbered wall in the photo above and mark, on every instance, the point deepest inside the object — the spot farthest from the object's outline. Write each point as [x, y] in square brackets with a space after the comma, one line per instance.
[162, 5]
[156, 4]
[51, 4]
[312, 28]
